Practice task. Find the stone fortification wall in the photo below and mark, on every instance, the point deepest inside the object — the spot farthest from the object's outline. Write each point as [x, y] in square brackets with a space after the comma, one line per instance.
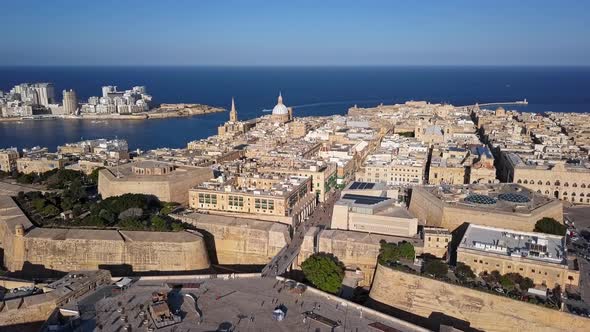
[355, 249]
[30, 249]
[35, 308]
[173, 187]
[426, 207]
[168, 252]
[429, 298]
[239, 241]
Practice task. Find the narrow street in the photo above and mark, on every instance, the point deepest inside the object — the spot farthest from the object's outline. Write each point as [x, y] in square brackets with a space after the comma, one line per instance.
[321, 216]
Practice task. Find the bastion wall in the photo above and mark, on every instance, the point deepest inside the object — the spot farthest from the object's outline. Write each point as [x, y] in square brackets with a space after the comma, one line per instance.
[427, 297]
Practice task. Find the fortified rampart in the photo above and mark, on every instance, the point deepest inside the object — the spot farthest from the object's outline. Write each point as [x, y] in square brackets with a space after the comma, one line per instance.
[435, 212]
[239, 241]
[147, 177]
[429, 298]
[357, 250]
[30, 249]
[38, 307]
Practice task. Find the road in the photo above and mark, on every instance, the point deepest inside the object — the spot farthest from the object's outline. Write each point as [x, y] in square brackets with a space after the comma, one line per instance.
[580, 215]
[321, 216]
[12, 188]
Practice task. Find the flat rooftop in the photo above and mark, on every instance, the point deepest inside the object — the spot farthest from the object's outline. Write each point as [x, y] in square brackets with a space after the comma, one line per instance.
[528, 245]
[373, 205]
[236, 304]
[506, 197]
[230, 221]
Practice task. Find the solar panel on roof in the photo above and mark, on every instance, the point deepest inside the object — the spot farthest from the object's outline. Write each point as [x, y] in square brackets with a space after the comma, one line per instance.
[480, 199]
[514, 198]
[365, 200]
[362, 185]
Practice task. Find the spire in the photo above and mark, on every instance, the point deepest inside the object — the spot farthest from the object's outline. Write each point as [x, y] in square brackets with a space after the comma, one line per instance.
[280, 99]
[233, 114]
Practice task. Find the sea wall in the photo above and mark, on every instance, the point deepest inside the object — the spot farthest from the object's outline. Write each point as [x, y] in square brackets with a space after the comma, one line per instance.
[426, 298]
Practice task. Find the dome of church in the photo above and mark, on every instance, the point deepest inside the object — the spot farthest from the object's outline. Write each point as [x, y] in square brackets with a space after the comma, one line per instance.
[280, 108]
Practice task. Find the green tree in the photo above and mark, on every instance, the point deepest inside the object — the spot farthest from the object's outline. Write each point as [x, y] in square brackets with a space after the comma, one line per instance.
[392, 252]
[507, 282]
[38, 204]
[159, 224]
[464, 272]
[177, 227]
[50, 211]
[131, 224]
[168, 207]
[324, 271]
[93, 177]
[107, 216]
[95, 221]
[436, 268]
[526, 283]
[550, 226]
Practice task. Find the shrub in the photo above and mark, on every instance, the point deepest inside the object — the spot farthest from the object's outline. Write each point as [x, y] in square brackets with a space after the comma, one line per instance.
[159, 224]
[392, 252]
[436, 268]
[550, 226]
[464, 272]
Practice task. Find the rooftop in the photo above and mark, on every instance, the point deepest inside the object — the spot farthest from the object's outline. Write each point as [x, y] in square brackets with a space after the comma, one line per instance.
[507, 197]
[506, 242]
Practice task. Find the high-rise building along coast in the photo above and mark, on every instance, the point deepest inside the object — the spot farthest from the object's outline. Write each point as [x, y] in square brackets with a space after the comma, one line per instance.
[70, 102]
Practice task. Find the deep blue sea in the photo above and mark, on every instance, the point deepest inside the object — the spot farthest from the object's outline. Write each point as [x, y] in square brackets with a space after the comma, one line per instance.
[310, 90]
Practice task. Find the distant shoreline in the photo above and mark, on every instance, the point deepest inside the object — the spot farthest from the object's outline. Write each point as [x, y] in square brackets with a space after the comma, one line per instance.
[163, 112]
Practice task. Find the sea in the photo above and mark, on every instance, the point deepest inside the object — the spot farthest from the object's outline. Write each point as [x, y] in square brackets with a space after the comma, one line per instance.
[309, 90]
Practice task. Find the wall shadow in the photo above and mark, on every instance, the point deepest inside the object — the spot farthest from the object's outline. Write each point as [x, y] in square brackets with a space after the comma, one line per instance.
[434, 322]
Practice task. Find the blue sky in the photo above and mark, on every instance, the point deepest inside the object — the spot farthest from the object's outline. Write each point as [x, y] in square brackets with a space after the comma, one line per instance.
[183, 32]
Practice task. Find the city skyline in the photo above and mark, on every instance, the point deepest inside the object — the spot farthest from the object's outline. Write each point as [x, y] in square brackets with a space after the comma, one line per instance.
[307, 34]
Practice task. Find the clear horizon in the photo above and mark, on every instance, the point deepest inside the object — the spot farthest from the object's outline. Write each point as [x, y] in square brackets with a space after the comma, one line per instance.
[306, 33]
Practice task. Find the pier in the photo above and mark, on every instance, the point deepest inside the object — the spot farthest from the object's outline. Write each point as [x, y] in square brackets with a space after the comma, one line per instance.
[518, 102]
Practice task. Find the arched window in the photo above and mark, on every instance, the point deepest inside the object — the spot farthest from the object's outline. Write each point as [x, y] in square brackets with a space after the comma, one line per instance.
[546, 192]
[583, 186]
[573, 194]
[581, 200]
[539, 191]
[564, 193]
[539, 182]
[548, 183]
[526, 182]
[557, 183]
[518, 181]
[582, 195]
[532, 182]
[575, 185]
[566, 184]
